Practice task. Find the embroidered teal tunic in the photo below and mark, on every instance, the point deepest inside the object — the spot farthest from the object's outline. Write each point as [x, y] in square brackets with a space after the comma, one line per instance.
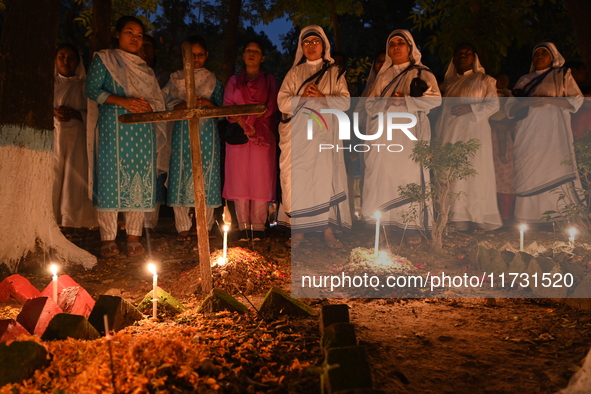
[180, 183]
[125, 165]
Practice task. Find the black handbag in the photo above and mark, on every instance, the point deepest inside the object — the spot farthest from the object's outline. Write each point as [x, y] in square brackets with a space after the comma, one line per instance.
[235, 134]
[523, 112]
[418, 86]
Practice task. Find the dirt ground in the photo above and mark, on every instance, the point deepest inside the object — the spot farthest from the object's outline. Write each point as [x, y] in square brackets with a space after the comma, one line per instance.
[431, 345]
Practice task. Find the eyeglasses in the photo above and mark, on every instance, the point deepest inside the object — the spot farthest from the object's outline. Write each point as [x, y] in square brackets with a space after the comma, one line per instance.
[313, 42]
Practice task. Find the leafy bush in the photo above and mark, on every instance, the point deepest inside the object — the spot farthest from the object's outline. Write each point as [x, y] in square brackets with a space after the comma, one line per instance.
[447, 164]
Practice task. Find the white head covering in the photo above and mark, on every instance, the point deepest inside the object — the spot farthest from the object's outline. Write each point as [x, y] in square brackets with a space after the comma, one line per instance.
[69, 91]
[371, 79]
[80, 72]
[415, 55]
[455, 85]
[476, 66]
[557, 59]
[319, 32]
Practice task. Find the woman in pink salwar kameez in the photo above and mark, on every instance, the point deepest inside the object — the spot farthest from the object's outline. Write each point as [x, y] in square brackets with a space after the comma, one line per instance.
[251, 167]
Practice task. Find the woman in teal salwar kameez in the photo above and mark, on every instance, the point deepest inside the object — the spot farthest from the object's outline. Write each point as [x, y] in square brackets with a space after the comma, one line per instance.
[120, 82]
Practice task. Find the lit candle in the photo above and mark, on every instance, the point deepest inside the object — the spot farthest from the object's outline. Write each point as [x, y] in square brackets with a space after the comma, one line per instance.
[53, 269]
[521, 233]
[571, 239]
[377, 215]
[225, 228]
[106, 322]
[152, 269]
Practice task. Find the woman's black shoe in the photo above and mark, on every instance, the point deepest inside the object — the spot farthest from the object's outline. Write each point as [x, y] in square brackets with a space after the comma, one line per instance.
[259, 235]
[244, 236]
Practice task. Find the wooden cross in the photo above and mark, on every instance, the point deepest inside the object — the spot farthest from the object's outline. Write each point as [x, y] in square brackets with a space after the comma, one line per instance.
[194, 115]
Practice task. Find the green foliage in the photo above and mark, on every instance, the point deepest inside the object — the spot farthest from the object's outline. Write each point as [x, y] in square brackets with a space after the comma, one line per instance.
[308, 12]
[85, 19]
[448, 160]
[142, 9]
[448, 163]
[583, 155]
[494, 27]
[358, 69]
[573, 204]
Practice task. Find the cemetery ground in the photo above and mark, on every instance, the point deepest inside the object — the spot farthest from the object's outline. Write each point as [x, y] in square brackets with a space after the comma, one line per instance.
[430, 345]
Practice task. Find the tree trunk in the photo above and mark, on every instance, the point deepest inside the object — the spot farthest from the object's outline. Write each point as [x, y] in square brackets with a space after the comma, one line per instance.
[334, 19]
[580, 13]
[230, 49]
[443, 188]
[101, 26]
[26, 137]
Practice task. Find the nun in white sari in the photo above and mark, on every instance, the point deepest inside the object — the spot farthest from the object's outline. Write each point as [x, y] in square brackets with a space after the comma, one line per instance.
[72, 206]
[471, 98]
[544, 154]
[313, 182]
[386, 171]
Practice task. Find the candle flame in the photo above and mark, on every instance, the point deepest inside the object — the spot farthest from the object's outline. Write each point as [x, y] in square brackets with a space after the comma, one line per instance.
[53, 269]
[522, 227]
[226, 228]
[572, 232]
[152, 268]
[378, 215]
[221, 261]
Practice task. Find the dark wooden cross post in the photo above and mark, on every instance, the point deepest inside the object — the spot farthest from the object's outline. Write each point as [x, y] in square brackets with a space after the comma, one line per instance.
[194, 115]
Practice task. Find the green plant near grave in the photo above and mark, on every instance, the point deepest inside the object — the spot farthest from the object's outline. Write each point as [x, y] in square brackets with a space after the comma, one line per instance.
[447, 163]
[573, 203]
